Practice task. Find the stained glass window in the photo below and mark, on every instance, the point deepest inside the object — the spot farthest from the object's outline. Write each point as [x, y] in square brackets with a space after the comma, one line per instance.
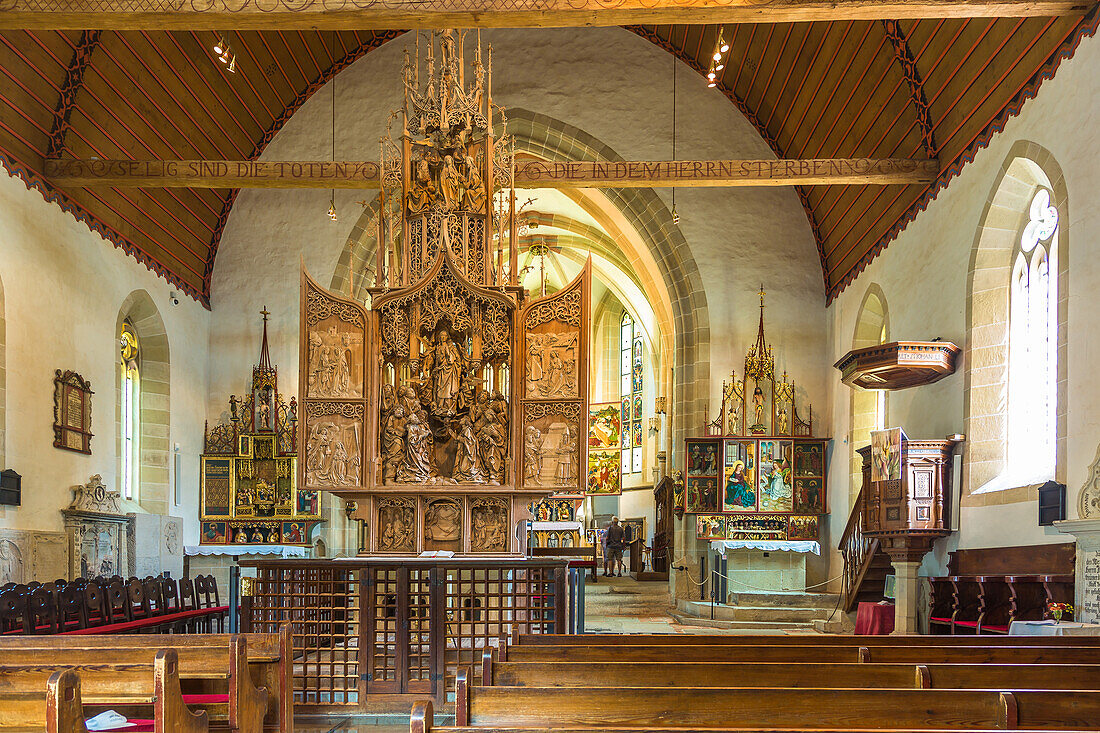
[630, 394]
[1033, 348]
[130, 411]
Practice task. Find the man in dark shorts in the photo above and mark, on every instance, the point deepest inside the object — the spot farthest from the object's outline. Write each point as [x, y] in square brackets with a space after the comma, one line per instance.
[613, 548]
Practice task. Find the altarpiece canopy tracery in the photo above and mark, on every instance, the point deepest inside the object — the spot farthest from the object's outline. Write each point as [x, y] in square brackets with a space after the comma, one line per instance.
[449, 402]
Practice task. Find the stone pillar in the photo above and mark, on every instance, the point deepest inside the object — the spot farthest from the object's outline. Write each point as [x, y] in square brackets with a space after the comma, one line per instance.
[907, 590]
[1086, 586]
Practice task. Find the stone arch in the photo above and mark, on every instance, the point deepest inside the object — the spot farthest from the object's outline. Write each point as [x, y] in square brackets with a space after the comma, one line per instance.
[872, 328]
[153, 479]
[1027, 167]
[676, 280]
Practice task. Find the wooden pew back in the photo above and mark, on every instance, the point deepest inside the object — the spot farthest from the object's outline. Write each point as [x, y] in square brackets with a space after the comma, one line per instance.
[794, 640]
[808, 709]
[950, 654]
[782, 674]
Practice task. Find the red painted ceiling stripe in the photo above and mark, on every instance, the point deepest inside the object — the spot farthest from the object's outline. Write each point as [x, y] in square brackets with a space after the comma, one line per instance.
[821, 80]
[992, 87]
[140, 58]
[294, 57]
[215, 119]
[775, 66]
[790, 70]
[748, 52]
[242, 73]
[278, 64]
[247, 107]
[802, 82]
[17, 135]
[832, 94]
[959, 64]
[310, 52]
[1072, 29]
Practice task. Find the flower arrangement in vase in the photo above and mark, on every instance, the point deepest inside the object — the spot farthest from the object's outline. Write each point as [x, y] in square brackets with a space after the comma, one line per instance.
[1057, 609]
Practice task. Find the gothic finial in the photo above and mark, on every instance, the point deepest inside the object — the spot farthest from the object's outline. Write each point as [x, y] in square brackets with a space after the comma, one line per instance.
[265, 355]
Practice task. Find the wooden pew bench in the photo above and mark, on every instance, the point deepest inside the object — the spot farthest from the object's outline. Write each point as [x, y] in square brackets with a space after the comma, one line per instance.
[947, 654]
[781, 674]
[33, 698]
[791, 640]
[123, 679]
[804, 709]
[205, 660]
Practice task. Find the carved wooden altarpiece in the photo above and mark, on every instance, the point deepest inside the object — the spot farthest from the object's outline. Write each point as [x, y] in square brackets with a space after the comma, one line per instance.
[452, 400]
[249, 485]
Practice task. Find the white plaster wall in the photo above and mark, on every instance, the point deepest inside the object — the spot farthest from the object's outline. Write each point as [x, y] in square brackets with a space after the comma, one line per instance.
[923, 275]
[63, 288]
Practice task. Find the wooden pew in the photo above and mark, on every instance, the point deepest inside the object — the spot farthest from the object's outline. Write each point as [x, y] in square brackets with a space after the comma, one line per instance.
[804, 709]
[32, 700]
[269, 660]
[947, 654]
[782, 674]
[125, 678]
[795, 640]
[54, 707]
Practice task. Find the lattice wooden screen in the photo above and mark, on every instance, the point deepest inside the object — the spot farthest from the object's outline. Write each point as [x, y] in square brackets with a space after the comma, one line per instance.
[420, 622]
[323, 605]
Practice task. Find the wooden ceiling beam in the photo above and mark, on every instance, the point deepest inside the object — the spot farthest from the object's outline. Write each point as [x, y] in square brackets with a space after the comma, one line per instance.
[411, 14]
[224, 174]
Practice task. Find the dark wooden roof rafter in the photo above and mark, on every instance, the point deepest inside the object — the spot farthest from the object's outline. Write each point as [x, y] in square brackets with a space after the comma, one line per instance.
[936, 88]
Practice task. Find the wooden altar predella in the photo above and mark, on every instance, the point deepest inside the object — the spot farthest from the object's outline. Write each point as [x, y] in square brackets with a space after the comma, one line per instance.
[450, 401]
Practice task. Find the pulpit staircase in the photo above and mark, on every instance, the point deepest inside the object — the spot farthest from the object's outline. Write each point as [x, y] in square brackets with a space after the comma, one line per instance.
[865, 564]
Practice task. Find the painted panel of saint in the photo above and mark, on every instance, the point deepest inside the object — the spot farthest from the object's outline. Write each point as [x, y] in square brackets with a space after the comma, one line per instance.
[774, 476]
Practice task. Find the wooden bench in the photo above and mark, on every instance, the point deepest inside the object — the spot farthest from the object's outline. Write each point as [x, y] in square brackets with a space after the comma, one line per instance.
[793, 640]
[986, 589]
[805, 709]
[948, 654]
[782, 674]
[204, 660]
[32, 698]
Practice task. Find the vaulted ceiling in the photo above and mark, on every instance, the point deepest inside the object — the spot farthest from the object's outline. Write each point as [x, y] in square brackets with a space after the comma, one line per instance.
[908, 89]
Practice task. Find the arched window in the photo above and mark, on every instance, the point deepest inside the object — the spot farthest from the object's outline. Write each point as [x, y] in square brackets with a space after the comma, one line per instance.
[1033, 347]
[868, 407]
[630, 394]
[130, 422]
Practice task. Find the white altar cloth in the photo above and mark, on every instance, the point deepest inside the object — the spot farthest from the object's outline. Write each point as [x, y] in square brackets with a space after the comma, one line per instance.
[280, 550]
[1050, 628]
[767, 545]
[536, 526]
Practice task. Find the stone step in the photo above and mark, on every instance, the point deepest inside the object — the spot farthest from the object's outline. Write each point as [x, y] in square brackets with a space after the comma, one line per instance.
[781, 614]
[793, 600]
[746, 626]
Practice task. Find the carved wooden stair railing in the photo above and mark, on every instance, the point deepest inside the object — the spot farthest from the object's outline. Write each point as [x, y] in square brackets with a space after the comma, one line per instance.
[865, 564]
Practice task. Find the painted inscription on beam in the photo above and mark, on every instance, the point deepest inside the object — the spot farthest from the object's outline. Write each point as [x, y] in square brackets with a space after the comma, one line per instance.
[780, 172]
[224, 15]
[213, 173]
[529, 174]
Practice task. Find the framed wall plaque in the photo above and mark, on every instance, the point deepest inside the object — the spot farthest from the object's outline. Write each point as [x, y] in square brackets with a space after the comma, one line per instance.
[72, 412]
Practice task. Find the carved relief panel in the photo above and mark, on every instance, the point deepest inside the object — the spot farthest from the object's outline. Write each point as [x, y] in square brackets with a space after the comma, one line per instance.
[397, 525]
[554, 369]
[443, 522]
[333, 382]
[489, 524]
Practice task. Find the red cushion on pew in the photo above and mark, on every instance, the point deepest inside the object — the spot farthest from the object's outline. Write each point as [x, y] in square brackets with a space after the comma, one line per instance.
[205, 699]
[995, 627]
[968, 624]
[940, 619]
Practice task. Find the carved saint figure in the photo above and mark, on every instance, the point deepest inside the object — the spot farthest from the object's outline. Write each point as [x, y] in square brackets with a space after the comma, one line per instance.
[393, 444]
[450, 183]
[491, 442]
[444, 364]
[566, 473]
[532, 455]
[466, 464]
[418, 451]
[422, 192]
[500, 407]
[781, 421]
[758, 403]
[473, 195]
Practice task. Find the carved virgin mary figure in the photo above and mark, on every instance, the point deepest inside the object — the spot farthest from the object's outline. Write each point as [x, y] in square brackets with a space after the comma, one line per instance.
[466, 464]
[444, 364]
[492, 441]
